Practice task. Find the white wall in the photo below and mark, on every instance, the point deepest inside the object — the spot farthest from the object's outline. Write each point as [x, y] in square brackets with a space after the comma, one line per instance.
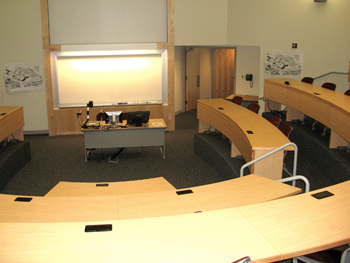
[320, 29]
[247, 62]
[20, 42]
[200, 22]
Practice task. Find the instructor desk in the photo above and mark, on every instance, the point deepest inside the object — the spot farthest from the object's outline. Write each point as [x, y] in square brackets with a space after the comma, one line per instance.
[150, 134]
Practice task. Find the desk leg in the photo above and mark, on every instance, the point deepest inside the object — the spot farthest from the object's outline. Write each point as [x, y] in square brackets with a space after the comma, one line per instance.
[337, 141]
[293, 114]
[162, 151]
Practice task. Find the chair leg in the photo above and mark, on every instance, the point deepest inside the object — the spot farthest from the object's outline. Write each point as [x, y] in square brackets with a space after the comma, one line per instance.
[324, 132]
[313, 126]
[303, 120]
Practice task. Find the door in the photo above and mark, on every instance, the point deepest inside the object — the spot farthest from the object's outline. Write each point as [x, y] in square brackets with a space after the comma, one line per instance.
[223, 72]
[192, 78]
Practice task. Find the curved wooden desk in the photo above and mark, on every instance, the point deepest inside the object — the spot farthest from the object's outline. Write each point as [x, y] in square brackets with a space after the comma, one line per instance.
[266, 232]
[246, 190]
[251, 135]
[11, 122]
[326, 106]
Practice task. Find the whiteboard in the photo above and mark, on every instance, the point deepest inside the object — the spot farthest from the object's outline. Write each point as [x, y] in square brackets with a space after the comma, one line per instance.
[107, 21]
[108, 79]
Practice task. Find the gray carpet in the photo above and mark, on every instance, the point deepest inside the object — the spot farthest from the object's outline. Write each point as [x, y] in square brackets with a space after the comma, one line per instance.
[61, 158]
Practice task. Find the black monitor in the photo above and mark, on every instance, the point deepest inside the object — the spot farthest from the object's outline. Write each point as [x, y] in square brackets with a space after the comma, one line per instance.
[138, 118]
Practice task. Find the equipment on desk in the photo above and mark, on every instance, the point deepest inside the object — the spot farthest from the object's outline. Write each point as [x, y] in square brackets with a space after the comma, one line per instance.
[87, 123]
[137, 118]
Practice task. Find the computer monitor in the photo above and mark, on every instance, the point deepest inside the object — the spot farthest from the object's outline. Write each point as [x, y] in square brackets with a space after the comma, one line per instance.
[114, 117]
[138, 118]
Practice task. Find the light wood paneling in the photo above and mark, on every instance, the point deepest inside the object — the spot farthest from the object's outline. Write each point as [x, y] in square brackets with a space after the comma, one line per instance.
[192, 75]
[223, 72]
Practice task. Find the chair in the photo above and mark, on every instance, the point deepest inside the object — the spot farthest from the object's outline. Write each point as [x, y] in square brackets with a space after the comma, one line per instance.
[326, 256]
[254, 107]
[347, 92]
[237, 99]
[286, 129]
[308, 80]
[274, 120]
[330, 86]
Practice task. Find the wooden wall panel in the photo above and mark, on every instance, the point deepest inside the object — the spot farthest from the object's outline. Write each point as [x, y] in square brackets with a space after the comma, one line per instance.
[192, 75]
[223, 72]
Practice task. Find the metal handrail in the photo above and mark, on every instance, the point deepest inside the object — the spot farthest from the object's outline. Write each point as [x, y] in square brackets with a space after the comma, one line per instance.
[329, 73]
[297, 177]
[272, 152]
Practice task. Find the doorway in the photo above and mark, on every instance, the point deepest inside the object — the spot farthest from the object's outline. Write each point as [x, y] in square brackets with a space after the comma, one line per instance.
[209, 74]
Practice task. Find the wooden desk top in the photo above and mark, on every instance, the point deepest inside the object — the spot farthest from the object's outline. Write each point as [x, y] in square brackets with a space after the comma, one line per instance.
[266, 232]
[335, 99]
[245, 190]
[73, 189]
[265, 135]
[302, 224]
[217, 236]
[57, 209]
[8, 110]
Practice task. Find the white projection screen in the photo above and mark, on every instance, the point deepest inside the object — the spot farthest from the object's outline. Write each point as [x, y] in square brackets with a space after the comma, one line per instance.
[107, 21]
[108, 79]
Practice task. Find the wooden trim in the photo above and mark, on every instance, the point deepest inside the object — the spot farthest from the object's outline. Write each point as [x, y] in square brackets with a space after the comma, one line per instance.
[63, 121]
[47, 66]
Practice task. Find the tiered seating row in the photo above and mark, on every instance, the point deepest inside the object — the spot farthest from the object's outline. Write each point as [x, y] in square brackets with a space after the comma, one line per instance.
[89, 205]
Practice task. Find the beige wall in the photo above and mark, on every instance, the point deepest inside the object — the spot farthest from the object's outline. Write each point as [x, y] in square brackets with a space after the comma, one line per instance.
[322, 30]
[200, 22]
[20, 42]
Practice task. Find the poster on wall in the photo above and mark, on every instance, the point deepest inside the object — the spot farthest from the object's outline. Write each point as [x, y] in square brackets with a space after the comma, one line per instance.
[23, 77]
[283, 64]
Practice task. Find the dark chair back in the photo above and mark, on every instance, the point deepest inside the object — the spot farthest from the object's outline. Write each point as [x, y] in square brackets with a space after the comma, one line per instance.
[254, 107]
[237, 99]
[328, 85]
[308, 80]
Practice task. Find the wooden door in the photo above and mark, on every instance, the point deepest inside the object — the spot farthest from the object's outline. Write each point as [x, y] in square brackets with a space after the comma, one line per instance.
[192, 78]
[223, 72]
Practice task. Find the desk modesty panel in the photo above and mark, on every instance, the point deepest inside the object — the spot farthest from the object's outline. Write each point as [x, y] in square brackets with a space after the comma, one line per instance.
[267, 232]
[326, 106]
[251, 135]
[11, 122]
